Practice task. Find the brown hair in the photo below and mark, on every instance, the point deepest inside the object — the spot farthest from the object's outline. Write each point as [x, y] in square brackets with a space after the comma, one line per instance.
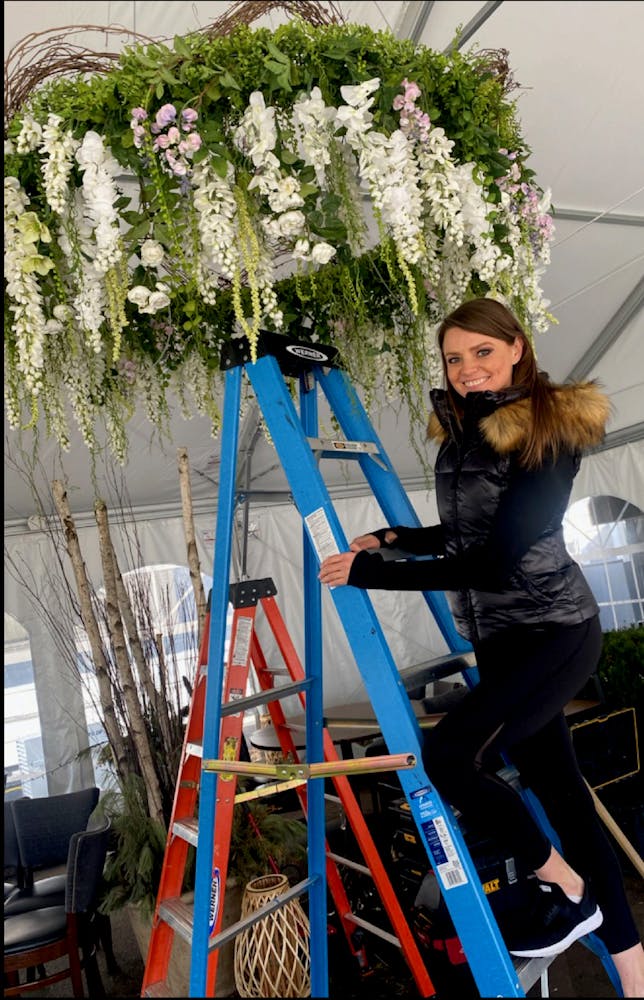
[492, 318]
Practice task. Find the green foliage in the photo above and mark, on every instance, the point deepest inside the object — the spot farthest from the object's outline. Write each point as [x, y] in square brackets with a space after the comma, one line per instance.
[621, 668]
[260, 834]
[377, 305]
[217, 74]
[134, 865]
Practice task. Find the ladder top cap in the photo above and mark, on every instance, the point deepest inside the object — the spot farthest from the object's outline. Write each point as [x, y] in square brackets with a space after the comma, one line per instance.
[293, 356]
[246, 593]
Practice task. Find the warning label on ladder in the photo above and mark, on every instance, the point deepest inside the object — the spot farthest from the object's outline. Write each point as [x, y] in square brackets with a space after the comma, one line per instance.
[440, 843]
[321, 535]
[241, 648]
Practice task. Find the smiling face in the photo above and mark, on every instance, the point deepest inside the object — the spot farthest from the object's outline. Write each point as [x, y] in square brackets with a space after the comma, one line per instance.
[476, 362]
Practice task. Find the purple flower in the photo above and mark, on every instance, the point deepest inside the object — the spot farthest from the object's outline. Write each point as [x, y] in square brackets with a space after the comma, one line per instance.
[139, 114]
[188, 118]
[139, 133]
[166, 115]
[191, 144]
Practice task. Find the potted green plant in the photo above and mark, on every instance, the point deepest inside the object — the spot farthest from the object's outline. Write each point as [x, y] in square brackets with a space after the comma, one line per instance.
[621, 674]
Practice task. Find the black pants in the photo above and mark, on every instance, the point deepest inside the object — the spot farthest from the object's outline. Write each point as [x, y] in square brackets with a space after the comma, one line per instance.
[527, 676]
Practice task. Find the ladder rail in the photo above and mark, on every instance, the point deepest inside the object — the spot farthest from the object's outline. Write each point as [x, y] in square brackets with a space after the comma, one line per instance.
[201, 976]
[176, 850]
[314, 709]
[381, 476]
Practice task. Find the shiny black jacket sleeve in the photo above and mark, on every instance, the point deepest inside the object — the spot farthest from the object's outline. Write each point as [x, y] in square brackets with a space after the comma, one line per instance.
[529, 508]
[416, 541]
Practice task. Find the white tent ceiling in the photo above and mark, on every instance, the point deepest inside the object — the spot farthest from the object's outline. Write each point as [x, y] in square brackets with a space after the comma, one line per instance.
[580, 105]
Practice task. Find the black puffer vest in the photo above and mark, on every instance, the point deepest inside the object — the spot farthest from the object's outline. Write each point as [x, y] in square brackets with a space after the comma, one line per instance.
[473, 468]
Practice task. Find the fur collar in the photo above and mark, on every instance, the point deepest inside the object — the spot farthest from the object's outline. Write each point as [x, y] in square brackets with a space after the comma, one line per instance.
[582, 411]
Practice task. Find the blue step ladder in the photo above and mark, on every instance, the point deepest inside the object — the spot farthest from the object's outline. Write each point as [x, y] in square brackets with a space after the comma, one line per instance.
[295, 437]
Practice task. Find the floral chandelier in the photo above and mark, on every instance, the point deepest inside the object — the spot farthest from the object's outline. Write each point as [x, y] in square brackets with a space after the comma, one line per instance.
[321, 180]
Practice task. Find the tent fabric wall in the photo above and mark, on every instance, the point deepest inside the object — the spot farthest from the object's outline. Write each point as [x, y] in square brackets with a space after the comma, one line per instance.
[273, 549]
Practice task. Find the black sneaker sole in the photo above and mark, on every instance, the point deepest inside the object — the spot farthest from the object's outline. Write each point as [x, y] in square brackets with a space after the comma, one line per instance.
[578, 931]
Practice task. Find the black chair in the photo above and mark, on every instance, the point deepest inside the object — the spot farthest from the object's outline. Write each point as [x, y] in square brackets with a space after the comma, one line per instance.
[13, 873]
[42, 828]
[36, 937]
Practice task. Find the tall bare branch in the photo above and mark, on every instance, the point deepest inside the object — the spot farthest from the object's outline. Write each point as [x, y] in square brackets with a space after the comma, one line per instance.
[191, 542]
[121, 655]
[72, 544]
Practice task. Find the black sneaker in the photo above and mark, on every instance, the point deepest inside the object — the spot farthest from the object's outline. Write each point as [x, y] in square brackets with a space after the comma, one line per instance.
[554, 923]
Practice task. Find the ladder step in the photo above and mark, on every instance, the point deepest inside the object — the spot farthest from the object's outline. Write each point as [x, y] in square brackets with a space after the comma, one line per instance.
[274, 694]
[436, 669]
[373, 928]
[531, 969]
[348, 863]
[330, 448]
[194, 749]
[187, 827]
[179, 916]
[276, 903]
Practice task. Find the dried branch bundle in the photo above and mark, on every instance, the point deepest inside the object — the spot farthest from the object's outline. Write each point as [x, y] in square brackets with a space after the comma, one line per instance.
[247, 11]
[43, 55]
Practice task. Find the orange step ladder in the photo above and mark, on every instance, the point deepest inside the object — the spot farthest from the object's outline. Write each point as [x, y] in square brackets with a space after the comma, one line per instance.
[172, 915]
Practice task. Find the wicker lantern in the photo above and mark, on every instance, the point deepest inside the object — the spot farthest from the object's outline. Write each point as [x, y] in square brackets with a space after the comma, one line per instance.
[272, 957]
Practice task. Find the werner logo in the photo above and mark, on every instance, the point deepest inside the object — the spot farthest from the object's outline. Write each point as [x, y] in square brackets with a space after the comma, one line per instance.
[214, 900]
[307, 353]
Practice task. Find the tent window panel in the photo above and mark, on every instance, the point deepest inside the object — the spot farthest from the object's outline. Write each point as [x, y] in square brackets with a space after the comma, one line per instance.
[607, 618]
[621, 580]
[605, 534]
[627, 613]
[638, 569]
[598, 582]
[23, 763]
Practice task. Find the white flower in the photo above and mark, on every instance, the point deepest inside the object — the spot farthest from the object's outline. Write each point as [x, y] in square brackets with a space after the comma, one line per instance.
[139, 295]
[291, 223]
[285, 195]
[150, 301]
[257, 133]
[91, 150]
[358, 96]
[99, 190]
[355, 120]
[159, 299]
[322, 253]
[152, 253]
[59, 150]
[314, 125]
[30, 135]
[301, 250]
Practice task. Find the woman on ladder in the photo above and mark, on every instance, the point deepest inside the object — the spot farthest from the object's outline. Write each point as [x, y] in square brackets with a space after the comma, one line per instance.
[510, 445]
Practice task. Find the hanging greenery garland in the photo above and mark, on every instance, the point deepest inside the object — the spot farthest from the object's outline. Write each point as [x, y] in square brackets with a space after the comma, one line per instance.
[324, 181]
